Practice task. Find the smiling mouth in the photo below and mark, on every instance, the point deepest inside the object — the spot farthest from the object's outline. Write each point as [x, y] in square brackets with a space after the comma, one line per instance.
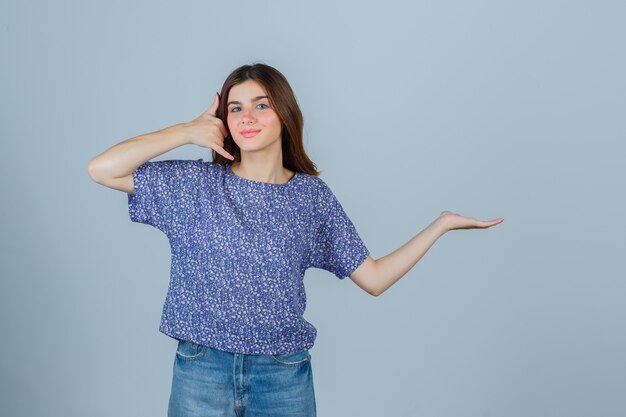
[250, 133]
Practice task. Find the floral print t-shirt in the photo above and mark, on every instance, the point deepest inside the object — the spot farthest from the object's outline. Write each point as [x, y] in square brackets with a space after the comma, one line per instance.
[239, 251]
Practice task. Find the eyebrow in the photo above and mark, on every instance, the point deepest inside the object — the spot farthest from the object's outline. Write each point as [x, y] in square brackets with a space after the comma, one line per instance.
[239, 102]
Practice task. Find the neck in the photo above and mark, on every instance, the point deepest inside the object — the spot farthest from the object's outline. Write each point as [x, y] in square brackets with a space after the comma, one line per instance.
[263, 170]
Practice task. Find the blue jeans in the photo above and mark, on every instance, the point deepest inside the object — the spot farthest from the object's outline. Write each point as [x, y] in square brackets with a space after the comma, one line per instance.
[209, 382]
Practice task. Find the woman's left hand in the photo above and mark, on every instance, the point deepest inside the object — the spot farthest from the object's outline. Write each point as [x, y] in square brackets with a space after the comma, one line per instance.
[453, 221]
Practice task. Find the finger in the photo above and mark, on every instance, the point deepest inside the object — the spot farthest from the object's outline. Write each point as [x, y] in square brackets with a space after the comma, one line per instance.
[223, 129]
[490, 223]
[223, 152]
[216, 102]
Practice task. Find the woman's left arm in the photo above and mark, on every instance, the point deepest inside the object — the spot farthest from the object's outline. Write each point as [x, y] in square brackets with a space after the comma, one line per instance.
[376, 275]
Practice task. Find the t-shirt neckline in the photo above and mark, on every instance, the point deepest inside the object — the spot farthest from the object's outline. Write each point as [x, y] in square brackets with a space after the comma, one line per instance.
[260, 183]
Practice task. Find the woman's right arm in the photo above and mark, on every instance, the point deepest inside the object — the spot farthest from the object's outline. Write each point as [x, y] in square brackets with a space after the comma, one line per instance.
[114, 167]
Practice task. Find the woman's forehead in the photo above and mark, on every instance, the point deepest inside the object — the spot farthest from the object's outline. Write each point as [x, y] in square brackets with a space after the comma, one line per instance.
[246, 90]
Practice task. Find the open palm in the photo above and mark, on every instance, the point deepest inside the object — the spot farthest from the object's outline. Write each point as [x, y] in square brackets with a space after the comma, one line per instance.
[453, 221]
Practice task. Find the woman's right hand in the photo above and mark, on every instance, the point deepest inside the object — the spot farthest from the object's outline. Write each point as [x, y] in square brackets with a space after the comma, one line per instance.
[209, 131]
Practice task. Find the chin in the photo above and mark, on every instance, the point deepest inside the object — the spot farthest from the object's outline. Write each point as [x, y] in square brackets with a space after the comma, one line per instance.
[251, 146]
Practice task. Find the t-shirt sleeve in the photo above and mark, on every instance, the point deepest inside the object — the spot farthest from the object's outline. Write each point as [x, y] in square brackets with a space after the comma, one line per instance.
[162, 190]
[337, 246]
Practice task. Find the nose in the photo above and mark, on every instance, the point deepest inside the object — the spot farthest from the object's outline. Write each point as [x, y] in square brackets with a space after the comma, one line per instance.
[247, 116]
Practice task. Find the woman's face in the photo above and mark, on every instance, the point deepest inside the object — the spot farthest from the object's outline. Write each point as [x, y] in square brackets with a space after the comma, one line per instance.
[249, 110]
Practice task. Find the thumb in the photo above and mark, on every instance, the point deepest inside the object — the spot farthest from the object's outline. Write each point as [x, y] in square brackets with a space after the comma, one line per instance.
[216, 102]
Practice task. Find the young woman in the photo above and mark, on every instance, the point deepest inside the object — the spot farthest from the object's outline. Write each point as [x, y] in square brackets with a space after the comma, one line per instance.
[243, 229]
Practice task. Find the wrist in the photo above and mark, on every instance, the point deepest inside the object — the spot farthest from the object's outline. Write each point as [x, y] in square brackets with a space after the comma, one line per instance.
[440, 225]
[179, 132]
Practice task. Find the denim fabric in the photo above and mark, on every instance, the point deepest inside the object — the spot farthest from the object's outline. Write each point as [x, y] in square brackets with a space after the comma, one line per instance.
[209, 382]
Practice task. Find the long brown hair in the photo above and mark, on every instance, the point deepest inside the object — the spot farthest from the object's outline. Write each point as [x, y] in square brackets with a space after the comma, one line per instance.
[283, 100]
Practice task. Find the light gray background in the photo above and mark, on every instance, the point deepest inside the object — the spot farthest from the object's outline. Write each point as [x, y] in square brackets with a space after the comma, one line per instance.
[487, 108]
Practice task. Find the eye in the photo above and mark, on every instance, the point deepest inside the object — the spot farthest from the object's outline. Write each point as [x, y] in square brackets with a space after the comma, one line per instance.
[233, 109]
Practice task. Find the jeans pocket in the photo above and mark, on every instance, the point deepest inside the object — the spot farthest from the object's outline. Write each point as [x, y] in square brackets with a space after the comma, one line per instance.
[292, 359]
[190, 350]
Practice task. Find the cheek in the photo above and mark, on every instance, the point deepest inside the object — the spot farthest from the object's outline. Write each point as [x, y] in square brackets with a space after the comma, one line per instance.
[231, 122]
[272, 120]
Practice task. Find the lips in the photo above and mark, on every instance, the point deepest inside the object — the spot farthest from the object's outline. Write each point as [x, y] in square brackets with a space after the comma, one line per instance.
[250, 133]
